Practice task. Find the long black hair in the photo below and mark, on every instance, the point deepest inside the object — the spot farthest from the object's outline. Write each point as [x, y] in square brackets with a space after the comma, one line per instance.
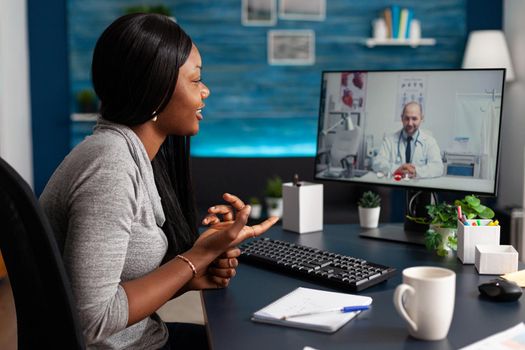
[135, 68]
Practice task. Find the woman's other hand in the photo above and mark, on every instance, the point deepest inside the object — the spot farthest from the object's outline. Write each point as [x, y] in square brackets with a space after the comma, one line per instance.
[219, 273]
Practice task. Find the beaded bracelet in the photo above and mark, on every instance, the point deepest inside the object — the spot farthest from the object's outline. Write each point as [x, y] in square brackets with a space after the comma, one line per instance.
[193, 269]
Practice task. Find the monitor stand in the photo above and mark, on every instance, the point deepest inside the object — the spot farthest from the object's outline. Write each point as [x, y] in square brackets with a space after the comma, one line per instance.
[409, 231]
[394, 232]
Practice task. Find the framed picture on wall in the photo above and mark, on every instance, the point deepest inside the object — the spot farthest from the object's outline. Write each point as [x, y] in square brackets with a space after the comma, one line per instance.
[410, 89]
[259, 12]
[291, 47]
[306, 10]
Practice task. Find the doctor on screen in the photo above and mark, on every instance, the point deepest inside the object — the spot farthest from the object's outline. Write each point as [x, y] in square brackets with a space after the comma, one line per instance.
[410, 151]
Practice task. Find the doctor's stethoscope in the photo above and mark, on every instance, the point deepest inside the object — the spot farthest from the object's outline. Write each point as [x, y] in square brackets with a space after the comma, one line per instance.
[398, 158]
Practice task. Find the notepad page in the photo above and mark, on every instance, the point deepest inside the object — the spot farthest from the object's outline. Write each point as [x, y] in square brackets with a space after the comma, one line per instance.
[304, 300]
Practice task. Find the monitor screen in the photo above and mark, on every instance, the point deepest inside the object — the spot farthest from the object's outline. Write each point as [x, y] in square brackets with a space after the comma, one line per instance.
[429, 129]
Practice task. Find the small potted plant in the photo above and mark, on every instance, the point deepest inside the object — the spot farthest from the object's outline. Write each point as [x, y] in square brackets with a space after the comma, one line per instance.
[87, 101]
[441, 235]
[369, 206]
[274, 194]
[255, 203]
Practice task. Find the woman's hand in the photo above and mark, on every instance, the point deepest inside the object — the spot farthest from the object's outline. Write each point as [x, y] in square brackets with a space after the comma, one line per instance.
[228, 213]
[235, 231]
[219, 272]
[225, 210]
[222, 237]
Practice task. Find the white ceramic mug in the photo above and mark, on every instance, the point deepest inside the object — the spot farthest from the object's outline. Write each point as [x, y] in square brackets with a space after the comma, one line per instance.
[426, 301]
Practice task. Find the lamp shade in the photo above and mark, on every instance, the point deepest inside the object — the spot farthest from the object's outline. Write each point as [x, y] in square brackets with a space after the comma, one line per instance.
[488, 49]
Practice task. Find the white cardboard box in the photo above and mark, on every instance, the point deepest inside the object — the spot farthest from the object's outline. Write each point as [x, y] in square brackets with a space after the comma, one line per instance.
[303, 207]
[496, 260]
[470, 236]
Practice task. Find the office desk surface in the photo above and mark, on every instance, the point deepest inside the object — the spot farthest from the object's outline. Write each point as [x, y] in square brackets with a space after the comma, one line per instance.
[228, 311]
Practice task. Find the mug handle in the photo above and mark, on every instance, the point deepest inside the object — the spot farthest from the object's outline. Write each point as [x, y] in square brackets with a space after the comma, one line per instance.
[398, 303]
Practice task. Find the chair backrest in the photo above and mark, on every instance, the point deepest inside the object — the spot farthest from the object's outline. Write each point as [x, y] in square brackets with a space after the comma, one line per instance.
[45, 309]
[346, 143]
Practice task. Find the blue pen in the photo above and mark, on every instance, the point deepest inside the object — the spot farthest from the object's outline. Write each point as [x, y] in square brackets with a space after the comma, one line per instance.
[343, 309]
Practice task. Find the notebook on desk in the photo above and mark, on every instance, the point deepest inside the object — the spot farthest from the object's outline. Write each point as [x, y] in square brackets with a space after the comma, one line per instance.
[304, 300]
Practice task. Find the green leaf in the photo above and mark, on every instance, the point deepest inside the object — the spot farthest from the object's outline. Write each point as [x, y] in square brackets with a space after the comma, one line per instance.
[453, 242]
[442, 252]
[274, 187]
[423, 221]
[369, 199]
[487, 213]
[472, 200]
[480, 208]
[432, 239]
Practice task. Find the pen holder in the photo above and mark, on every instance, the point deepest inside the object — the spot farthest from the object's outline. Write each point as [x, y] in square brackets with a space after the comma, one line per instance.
[303, 207]
[470, 236]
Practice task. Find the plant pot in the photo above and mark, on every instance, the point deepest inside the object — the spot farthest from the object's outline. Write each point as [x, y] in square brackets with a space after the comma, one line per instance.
[274, 206]
[256, 211]
[369, 217]
[445, 233]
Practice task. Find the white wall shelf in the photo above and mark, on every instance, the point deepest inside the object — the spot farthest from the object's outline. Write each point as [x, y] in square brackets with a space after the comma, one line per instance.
[84, 117]
[371, 42]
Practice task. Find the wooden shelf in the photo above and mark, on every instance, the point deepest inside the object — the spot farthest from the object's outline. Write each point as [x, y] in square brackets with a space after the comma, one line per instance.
[371, 42]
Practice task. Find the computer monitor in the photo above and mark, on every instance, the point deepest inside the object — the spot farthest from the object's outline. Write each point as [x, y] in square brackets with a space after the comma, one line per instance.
[453, 119]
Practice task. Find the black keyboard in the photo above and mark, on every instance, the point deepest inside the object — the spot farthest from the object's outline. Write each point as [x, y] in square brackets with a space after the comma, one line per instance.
[330, 269]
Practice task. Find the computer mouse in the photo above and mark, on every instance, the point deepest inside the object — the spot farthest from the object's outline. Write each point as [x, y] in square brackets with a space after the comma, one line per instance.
[500, 290]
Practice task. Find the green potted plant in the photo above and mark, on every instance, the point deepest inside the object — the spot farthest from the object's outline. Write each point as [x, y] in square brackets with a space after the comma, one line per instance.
[369, 207]
[274, 194]
[255, 203]
[87, 101]
[442, 234]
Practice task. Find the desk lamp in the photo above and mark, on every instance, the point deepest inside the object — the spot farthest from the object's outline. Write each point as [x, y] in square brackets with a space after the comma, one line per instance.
[345, 120]
[488, 49]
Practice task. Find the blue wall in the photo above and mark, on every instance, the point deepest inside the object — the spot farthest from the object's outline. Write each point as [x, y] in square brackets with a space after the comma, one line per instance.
[243, 84]
[484, 14]
[48, 58]
[277, 99]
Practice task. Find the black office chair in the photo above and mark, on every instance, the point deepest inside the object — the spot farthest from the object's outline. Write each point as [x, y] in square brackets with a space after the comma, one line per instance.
[45, 310]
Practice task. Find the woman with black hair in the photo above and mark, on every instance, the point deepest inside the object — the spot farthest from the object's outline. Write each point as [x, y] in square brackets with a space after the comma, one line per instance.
[121, 203]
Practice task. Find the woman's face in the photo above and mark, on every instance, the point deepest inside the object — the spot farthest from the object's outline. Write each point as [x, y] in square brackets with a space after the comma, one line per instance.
[184, 110]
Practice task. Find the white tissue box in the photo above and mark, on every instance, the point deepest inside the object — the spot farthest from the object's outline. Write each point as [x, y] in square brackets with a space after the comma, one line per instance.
[496, 260]
[470, 236]
[303, 207]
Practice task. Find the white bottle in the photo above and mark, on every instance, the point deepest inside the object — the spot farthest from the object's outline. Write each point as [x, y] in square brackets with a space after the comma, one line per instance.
[415, 30]
[379, 29]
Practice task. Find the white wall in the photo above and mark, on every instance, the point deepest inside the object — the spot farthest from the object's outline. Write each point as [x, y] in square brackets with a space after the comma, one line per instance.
[15, 114]
[513, 143]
